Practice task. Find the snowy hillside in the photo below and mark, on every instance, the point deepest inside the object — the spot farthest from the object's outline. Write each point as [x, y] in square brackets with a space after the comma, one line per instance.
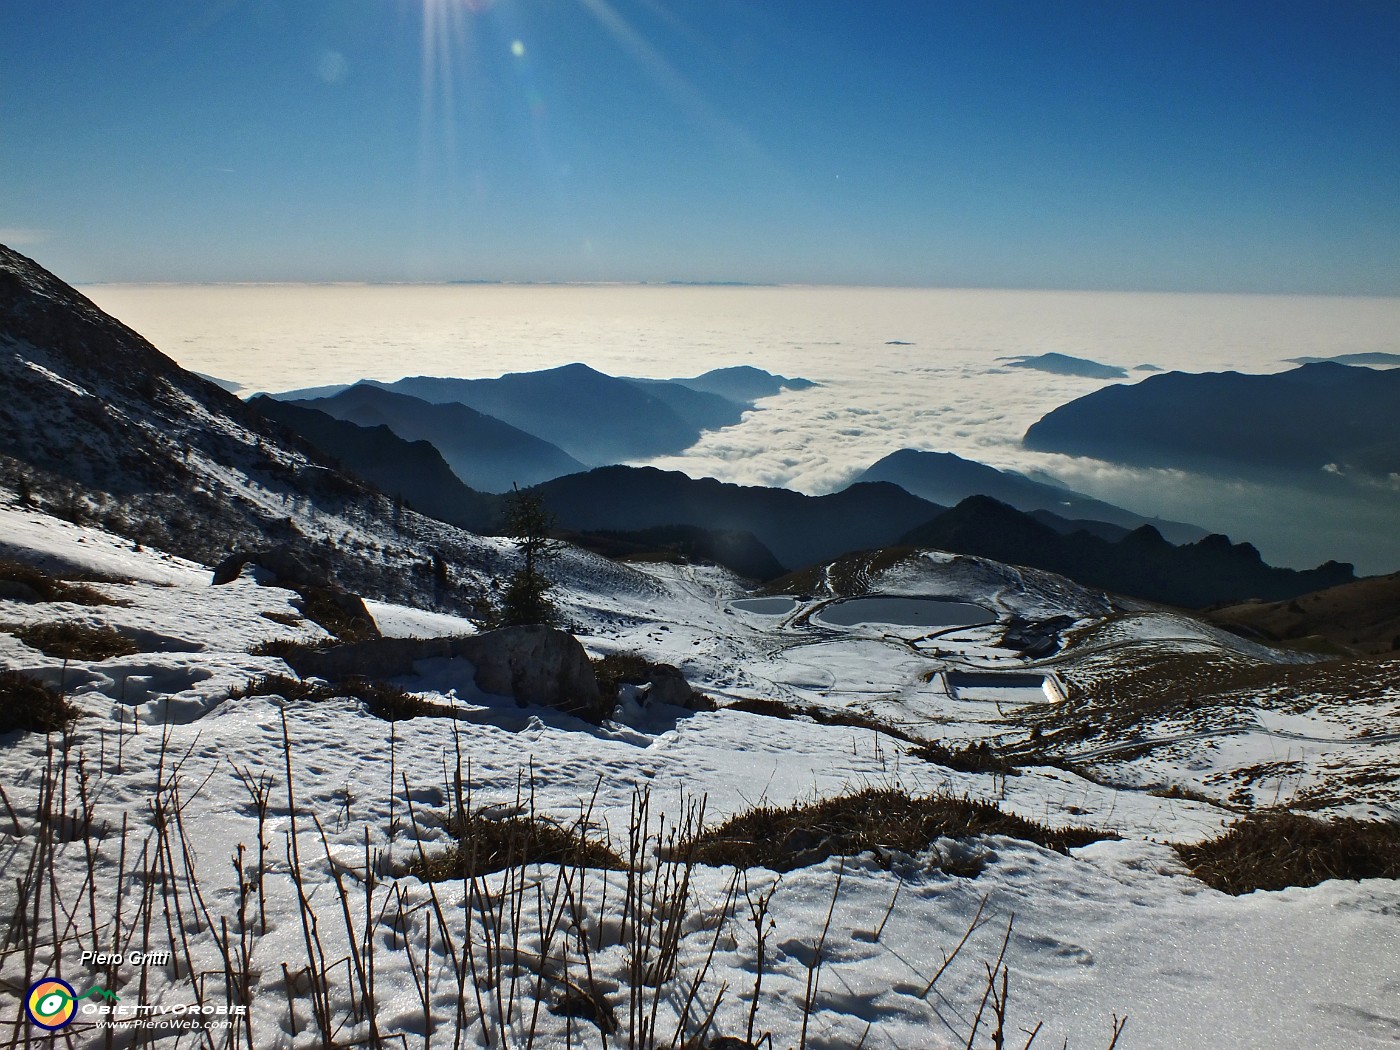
[266, 843]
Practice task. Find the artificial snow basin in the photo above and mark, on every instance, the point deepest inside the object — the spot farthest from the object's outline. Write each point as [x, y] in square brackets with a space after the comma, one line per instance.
[766, 606]
[905, 612]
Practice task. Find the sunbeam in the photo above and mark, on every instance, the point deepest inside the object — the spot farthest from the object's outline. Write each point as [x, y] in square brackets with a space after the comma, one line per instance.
[669, 79]
[444, 39]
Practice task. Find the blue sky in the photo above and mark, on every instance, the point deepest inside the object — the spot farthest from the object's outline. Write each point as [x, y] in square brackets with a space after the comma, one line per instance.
[1135, 144]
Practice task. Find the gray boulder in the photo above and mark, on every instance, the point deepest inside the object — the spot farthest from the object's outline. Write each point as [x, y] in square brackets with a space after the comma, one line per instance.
[535, 665]
[668, 686]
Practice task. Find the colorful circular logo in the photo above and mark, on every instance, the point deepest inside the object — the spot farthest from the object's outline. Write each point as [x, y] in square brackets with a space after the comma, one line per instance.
[51, 1003]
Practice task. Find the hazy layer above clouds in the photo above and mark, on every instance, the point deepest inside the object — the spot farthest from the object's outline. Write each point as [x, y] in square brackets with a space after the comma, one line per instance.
[898, 367]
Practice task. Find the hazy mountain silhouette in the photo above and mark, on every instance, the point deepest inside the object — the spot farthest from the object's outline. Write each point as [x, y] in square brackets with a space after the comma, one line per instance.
[1141, 563]
[593, 418]
[485, 453]
[738, 551]
[1064, 365]
[414, 471]
[702, 410]
[596, 418]
[743, 384]
[800, 530]
[1308, 422]
[1379, 359]
[945, 478]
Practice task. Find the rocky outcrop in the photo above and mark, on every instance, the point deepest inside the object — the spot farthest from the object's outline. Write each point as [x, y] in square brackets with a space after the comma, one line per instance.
[534, 665]
[286, 566]
[339, 611]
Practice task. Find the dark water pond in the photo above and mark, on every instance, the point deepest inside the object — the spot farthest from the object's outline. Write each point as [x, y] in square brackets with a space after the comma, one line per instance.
[905, 612]
[766, 606]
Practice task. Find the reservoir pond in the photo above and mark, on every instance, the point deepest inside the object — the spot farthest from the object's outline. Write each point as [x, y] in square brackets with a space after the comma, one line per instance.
[905, 612]
[766, 606]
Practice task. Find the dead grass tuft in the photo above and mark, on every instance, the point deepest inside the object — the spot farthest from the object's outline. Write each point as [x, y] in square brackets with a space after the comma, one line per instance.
[64, 640]
[32, 706]
[615, 668]
[50, 588]
[1275, 850]
[822, 716]
[486, 844]
[289, 647]
[340, 614]
[980, 757]
[879, 820]
[384, 700]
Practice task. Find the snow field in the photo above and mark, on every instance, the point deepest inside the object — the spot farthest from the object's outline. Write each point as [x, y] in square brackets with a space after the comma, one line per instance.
[1118, 927]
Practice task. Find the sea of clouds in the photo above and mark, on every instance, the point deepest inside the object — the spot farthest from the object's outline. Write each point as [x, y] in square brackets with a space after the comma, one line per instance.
[897, 368]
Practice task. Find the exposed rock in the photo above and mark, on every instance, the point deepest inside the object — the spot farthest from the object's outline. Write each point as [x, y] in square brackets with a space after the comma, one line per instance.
[340, 612]
[668, 686]
[534, 665]
[13, 590]
[286, 567]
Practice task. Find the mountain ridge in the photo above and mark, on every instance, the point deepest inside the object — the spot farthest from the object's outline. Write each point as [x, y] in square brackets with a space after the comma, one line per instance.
[1142, 563]
[1315, 421]
[947, 478]
[485, 453]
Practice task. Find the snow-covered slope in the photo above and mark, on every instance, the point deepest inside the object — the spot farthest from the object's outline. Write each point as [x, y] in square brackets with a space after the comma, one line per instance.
[98, 426]
[1119, 927]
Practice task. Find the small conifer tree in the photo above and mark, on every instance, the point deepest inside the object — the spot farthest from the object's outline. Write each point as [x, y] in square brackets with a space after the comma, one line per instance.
[526, 596]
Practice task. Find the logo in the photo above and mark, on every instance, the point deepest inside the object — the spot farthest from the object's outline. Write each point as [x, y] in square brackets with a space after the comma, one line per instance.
[51, 1003]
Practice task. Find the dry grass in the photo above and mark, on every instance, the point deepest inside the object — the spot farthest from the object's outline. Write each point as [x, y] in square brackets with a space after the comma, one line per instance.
[880, 820]
[1272, 851]
[321, 606]
[484, 844]
[822, 716]
[73, 641]
[980, 757]
[1187, 794]
[527, 944]
[285, 687]
[382, 699]
[52, 588]
[849, 576]
[1144, 686]
[288, 647]
[615, 668]
[30, 705]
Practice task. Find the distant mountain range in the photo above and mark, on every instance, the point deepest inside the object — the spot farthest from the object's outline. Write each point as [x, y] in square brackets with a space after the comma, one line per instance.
[799, 530]
[806, 530]
[482, 451]
[1374, 359]
[944, 478]
[1318, 420]
[1142, 563]
[759, 532]
[594, 418]
[99, 426]
[1064, 365]
[412, 471]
